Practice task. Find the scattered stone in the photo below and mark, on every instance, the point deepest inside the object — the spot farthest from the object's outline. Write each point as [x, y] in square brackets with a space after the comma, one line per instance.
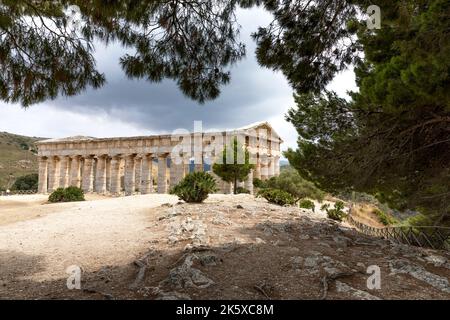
[341, 241]
[208, 259]
[185, 276]
[418, 272]
[239, 207]
[296, 262]
[437, 261]
[172, 240]
[342, 287]
[259, 241]
[220, 219]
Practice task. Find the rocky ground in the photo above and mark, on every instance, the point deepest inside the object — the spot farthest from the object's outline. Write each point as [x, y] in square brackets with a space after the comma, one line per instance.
[238, 247]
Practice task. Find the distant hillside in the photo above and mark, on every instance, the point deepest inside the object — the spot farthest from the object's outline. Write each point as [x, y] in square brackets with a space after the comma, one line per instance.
[17, 157]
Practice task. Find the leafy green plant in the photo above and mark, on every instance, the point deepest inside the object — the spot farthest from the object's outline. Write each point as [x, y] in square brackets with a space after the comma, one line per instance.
[70, 194]
[384, 217]
[27, 182]
[276, 196]
[241, 190]
[290, 181]
[258, 183]
[231, 169]
[195, 187]
[307, 204]
[337, 213]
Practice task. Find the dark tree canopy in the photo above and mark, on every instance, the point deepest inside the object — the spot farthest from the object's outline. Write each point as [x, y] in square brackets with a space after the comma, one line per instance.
[44, 53]
[393, 138]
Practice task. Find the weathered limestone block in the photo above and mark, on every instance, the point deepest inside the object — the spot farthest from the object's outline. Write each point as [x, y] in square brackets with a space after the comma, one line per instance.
[100, 176]
[162, 172]
[115, 175]
[53, 174]
[130, 177]
[75, 177]
[249, 182]
[64, 172]
[87, 183]
[43, 175]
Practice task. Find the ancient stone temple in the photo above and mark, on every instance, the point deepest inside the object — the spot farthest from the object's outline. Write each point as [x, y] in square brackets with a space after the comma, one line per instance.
[152, 164]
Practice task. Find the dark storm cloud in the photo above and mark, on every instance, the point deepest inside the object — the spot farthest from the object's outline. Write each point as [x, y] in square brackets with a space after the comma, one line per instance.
[252, 95]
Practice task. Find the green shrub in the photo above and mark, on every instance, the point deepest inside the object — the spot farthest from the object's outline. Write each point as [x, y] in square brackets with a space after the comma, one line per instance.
[384, 218]
[70, 194]
[307, 204]
[279, 197]
[26, 183]
[241, 190]
[195, 187]
[290, 181]
[338, 212]
[258, 183]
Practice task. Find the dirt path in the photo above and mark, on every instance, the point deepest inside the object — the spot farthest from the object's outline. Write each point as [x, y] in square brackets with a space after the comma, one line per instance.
[90, 234]
[230, 247]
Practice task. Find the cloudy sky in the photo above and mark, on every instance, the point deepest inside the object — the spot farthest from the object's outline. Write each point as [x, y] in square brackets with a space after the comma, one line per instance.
[126, 107]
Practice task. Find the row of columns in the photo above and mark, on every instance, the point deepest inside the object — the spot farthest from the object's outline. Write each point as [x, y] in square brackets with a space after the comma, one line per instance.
[103, 174]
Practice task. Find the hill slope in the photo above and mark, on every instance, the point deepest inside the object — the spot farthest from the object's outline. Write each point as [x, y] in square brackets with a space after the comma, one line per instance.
[17, 157]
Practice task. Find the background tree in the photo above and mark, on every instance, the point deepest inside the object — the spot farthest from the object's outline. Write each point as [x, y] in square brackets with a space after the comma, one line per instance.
[26, 183]
[235, 165]
[392, 139]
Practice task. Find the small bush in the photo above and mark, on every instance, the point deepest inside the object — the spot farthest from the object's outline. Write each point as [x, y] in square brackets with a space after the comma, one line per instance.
[279, 197]
[258, 183]
[26, 183]
[290, 181]
[241, 190]
[337, 213]
[384, 218]
[195, 187]
[70, 194]
[307, 204]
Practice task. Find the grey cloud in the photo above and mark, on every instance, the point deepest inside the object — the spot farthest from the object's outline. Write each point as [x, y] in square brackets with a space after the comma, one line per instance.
[251, 96]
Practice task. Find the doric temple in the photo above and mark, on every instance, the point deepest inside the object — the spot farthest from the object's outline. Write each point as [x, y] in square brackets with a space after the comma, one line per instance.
[125, 166]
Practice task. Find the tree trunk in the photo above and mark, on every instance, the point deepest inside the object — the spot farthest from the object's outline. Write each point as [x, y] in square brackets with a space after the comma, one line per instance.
[235, 186]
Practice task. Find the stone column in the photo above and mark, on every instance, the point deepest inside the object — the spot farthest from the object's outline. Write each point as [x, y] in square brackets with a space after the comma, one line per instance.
[249, 182]
[181, 171]
[173, 173]
[257, 173]
[146, 176]
[75, 178]
[115, 175]
[87, 183]
[43, 175]
[100, 175]
[264, 160]
[64, 172]
[271, 168]
[138, 173]
[277, 166]
[162, 168]
[108, 173]
[130, 175]
[198, 161]
[53, 174]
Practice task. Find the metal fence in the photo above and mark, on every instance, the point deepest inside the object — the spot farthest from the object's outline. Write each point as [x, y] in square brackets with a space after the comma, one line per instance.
[17, 192]
[426, 236]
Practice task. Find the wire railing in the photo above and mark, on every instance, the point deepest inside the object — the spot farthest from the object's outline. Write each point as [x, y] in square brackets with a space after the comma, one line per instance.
[17, 192]
[422, 236]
